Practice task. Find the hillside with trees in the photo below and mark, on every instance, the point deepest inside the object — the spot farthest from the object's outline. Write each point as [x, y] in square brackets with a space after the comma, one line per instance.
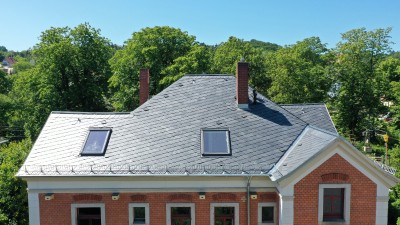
[77, 69]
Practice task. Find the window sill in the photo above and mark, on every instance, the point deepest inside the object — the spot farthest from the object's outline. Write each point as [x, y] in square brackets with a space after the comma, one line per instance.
[334, 223]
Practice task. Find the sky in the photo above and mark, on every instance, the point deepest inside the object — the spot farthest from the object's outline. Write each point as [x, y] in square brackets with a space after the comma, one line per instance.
[282, 22]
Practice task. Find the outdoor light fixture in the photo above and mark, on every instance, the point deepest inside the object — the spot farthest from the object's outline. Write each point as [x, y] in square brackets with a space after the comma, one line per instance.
[48, 196]
[115, 196]
[253, 195]
[202, 195]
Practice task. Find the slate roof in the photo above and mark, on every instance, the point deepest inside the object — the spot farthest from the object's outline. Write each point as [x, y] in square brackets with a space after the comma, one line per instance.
[163, 135]
[314, 114]
[309, 143]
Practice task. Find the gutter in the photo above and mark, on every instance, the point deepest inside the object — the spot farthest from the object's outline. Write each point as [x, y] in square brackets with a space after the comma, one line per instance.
[146, 175]
[248, 199]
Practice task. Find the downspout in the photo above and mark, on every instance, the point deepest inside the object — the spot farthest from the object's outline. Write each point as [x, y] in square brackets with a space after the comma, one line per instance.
[248, 199]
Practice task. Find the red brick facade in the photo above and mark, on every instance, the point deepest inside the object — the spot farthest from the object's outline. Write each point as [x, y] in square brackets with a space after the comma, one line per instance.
[58, 210]
[336, 170]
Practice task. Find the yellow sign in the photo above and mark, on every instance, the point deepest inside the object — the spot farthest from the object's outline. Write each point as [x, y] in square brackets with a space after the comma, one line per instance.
[386, 138]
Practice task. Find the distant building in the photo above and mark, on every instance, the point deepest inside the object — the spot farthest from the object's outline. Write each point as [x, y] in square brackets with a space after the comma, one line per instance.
[8, 64]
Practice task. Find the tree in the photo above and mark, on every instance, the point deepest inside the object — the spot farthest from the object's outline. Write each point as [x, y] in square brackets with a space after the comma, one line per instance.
[22, 64]
[13, 195]
[299, 72]
[197, 61]
[2, 56]
[229, 53]
[153, 48]
[5, 83]
[265, 46]
[3, 49]
[358, 55]
[71, 74]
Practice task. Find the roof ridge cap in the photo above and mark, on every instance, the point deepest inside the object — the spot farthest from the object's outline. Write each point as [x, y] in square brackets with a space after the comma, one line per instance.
[89, 113]
[302, 104]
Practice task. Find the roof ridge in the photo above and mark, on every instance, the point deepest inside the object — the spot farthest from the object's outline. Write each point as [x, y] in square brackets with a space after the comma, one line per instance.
[323, 130]
[302, 104]
[89, 113]
[209, 75]
[280, 107]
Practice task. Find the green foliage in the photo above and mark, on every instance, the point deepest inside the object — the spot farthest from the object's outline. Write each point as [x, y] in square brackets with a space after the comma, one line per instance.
[5, 106]
[229, 53]
[155, 48]
[21, 65]
[5, 83]
[299, 73]
[2, 57]
[265, 46]
[3, 49]
[13, 195]
[197, 61]
[358, 56]
[71, 74]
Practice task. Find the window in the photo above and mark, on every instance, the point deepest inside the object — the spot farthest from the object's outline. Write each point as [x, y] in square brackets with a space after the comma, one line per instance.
[88, 214]
[180, 214]
[266, 213]
[224, 214]
[334, 203]
[139, 213]
[215, 142]
[96, 141]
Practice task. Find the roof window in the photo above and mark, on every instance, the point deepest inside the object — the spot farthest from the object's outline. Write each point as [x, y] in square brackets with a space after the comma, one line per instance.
[215, 142]
[96, 141]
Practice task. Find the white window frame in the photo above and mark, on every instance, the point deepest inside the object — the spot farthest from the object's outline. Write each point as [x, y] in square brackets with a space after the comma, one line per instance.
[346, 207]
[266, 204]
[146, 211]
[192, 211]
[74, 214]
[228, 142]
[212, 211]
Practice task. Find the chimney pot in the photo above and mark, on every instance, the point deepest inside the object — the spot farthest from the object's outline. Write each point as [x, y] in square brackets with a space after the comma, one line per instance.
[242, 85]
[144, 82]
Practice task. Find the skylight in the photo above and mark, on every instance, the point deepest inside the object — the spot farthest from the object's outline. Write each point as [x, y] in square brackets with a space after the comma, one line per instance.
[96, 141]
[215, 142]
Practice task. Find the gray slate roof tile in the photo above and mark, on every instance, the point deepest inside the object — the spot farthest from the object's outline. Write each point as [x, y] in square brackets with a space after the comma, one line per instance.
[314, 114]
[164, 133]
[309, 143]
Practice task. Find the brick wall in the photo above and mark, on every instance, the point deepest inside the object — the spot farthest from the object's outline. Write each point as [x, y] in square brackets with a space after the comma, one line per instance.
[242, 80]
[144, 81]
[336, 170]
[58, 210]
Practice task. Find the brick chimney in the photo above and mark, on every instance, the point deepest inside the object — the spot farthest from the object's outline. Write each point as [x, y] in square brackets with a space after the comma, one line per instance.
[144, 80]
[242, 84]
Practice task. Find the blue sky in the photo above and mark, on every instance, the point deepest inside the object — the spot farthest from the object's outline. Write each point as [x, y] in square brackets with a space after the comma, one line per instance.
[211, 21]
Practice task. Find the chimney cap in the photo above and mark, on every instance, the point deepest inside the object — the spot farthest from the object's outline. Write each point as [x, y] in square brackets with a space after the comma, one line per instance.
[242, 60]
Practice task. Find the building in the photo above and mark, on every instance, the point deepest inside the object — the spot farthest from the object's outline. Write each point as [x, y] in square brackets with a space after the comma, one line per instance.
[206, 150]
[8, 64]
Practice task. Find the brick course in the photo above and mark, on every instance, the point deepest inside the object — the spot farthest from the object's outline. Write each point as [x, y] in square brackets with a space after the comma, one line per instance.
[58, 210]
[335, 170]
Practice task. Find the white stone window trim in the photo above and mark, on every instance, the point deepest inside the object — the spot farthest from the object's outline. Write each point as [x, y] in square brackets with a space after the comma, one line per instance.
[192, 211]
[266, 204]
[212, 211]
[74, 215]
[346, 207]
[146, 211]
